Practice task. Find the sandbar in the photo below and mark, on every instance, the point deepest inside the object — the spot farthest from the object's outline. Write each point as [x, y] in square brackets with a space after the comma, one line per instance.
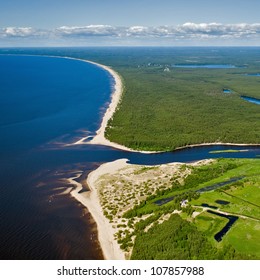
[110, 248]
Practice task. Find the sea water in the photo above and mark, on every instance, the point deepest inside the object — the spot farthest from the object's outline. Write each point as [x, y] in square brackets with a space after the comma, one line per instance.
[44, 100]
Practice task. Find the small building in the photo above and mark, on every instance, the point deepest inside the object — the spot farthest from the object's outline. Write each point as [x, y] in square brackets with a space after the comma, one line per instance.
[184, 203]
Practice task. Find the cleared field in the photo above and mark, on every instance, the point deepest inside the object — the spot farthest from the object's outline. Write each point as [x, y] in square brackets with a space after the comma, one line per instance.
[244, 237]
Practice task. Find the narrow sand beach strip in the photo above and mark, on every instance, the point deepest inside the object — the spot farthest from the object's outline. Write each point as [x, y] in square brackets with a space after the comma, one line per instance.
[99, 138]
[109, 245]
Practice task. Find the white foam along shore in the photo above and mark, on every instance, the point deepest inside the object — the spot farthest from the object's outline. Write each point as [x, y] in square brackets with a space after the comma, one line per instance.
[110, 248]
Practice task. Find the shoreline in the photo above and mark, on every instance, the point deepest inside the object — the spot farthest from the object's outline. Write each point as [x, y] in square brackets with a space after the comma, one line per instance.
[116, 95]
[108, 229]
[110, 248]
[99, 138]
[215, 144]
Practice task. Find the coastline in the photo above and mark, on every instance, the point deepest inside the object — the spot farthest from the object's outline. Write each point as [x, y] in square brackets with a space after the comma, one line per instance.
[110, 248]
[215, 143]
[99, 138]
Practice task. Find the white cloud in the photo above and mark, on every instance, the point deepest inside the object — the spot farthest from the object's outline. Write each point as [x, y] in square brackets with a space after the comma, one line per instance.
[17, 31]
[90, 30]
[187, 31]
[219, 30]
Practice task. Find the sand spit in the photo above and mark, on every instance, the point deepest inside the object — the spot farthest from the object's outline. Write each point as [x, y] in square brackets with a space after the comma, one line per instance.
[109, 245]
[116, 187]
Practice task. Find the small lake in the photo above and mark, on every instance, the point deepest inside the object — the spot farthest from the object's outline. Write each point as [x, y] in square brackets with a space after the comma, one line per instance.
[226, 90]
[205, 66]
[219, 185]
[253, 74]
[251, 99]
[222, 202]
[209, 206]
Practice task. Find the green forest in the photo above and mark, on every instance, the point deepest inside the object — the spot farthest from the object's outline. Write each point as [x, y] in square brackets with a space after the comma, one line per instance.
[166, 110]
[177, 239]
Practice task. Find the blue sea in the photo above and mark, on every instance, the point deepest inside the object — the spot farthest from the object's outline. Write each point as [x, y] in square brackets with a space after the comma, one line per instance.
[45, 103]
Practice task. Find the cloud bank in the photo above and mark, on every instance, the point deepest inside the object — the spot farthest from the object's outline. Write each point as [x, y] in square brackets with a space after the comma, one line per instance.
[186, 32]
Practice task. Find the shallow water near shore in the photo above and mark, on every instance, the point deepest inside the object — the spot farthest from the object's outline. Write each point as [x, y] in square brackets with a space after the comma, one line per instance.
[45, 103]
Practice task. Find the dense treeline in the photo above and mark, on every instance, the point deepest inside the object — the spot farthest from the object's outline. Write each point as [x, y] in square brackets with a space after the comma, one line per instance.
[177, 239]
[163, 111]
[206, 173]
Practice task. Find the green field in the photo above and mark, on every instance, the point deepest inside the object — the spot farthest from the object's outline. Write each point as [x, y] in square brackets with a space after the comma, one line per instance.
[240, 199]
[244, 236]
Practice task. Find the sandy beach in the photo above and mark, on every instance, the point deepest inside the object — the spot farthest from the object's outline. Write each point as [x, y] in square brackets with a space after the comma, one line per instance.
[99, 138]
[116, 187]
[109, 245]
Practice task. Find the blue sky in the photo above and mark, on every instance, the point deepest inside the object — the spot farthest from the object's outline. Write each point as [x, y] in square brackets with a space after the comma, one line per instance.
[118, 22]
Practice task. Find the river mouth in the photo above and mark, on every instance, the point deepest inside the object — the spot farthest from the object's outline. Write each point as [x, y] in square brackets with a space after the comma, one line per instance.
[55, 227]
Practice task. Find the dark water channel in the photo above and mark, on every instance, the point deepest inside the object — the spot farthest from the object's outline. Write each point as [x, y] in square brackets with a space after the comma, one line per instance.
[231, 220]
[202, 190]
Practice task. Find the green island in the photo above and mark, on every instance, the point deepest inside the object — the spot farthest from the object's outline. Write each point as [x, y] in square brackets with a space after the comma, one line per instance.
[226, 151]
